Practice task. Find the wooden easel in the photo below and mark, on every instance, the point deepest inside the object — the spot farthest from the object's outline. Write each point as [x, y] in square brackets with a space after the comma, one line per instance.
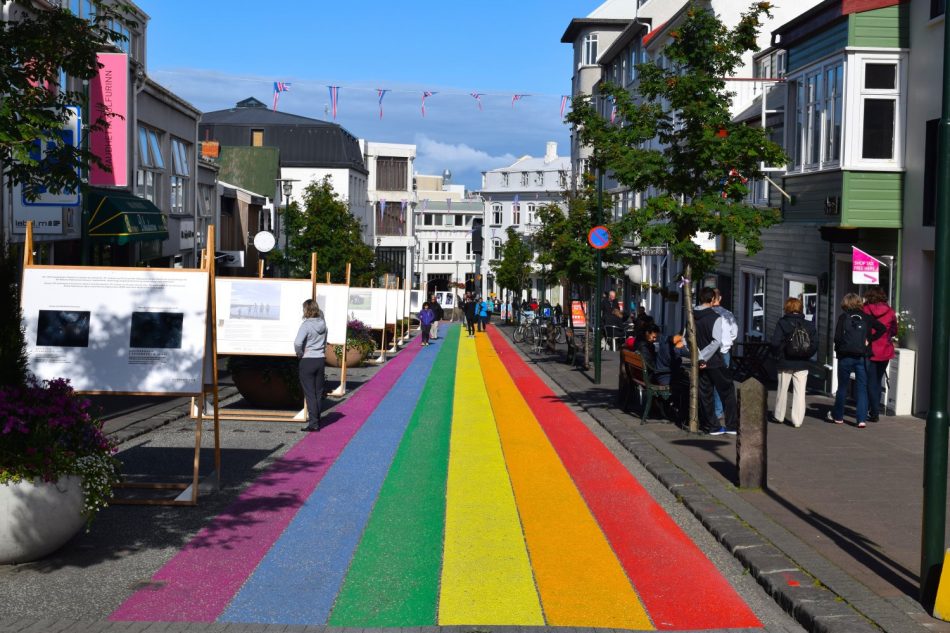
[189, 491]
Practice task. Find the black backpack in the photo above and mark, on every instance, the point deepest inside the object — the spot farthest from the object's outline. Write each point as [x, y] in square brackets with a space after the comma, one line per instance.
[798, 344]
[852, 340]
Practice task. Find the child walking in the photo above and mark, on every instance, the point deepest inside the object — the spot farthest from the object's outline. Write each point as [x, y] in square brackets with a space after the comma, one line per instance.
[426, 317]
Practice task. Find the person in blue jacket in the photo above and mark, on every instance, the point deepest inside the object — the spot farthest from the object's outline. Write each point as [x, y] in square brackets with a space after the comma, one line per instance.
[426, 317]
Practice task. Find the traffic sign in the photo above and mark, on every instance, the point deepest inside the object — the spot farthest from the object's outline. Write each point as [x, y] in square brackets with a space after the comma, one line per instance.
[599, 237]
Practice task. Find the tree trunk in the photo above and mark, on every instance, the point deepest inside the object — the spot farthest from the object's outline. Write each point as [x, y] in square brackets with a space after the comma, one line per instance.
[693, 351]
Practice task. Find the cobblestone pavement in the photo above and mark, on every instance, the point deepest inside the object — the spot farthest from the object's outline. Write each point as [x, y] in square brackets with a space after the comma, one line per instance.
[842, 506]
[540, 517]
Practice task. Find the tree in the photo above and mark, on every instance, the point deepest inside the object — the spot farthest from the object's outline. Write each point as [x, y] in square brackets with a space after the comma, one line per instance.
[34, 47]
[677, 137]
[513, 270]
[324, 226]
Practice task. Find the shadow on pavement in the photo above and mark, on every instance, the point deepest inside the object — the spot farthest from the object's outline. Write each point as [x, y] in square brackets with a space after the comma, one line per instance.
[855, 544]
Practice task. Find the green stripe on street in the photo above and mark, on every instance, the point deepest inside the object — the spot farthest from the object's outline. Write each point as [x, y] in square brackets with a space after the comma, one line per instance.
[394, 577]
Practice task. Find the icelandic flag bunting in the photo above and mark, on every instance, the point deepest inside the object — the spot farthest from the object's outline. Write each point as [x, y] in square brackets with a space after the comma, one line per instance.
[517, 98]
[563, 104]
[426, 95]
[381, 93]
[334, 98]
[402, 210]
[279, 87]
[478, 99]
[425, 204]
[382, 208]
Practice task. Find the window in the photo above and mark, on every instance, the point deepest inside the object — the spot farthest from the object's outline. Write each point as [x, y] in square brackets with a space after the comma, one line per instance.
[440, 251]
[148, 176]
[818, 115]
[469, 255]
[754, 305]
[562, 179]
[879, 94]
[530, 215]
[504, 179]
[539, 178]
[634, 59]
[392, 173]
[806, 290]
[206, 200]
[496, 248]
[937, 8]
[524, 179]
[930, 172]
[590, 49]
[516, 213]
[257, 138]
[179, 177]
[496, 215]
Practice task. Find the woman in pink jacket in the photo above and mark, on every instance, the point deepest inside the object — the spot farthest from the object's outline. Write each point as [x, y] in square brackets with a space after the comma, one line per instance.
[882, 349]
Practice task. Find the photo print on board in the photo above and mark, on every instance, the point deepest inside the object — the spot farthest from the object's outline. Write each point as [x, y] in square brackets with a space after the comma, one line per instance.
[63, 328]
[360, 300]
[156, 330]
[255, 300]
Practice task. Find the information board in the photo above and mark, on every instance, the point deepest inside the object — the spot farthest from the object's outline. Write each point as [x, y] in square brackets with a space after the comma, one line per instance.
[369, 306]
[334, 300]
[131, 330]
[392, 306]
[259, 316]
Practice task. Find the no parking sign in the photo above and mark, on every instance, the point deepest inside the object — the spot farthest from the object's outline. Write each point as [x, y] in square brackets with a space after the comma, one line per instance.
[599, 237]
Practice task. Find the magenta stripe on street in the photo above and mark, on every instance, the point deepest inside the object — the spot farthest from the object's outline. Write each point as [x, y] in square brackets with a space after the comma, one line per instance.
[199, 582]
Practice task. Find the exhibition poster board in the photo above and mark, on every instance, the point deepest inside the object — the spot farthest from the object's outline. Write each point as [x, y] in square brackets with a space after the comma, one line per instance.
[117, 330]
[415, 301]
[334, 301]
[392, 306]
[259, 316]
[369, 306]
[400, 304]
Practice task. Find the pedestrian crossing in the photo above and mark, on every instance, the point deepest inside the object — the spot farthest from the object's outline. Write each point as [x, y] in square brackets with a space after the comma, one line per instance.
[456, 489]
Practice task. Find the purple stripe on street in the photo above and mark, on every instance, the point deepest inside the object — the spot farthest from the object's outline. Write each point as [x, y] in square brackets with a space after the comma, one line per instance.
[199, 582]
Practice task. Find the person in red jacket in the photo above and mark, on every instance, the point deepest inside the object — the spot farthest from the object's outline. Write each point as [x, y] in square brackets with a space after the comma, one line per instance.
[882, 348]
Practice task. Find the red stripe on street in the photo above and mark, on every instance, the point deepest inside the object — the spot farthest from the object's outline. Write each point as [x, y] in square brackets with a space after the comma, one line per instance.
[677, 583]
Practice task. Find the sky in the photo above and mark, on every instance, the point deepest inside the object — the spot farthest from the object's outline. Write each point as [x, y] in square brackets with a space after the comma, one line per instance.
[214, 53]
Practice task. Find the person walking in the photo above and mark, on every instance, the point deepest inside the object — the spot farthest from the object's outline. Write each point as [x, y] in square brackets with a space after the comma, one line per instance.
[469, 308]
[730, 334]
[855, 331]
[482, 312]
[794, 342]
[713, 375]
[310, 346]
[438, 313]
[882, 349]
[426, 319]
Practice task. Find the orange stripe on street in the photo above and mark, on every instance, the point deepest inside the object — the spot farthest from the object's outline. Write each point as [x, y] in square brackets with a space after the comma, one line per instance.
[578, 576]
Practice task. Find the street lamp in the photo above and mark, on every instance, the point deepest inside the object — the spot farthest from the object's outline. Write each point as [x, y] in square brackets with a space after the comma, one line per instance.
[287, 188]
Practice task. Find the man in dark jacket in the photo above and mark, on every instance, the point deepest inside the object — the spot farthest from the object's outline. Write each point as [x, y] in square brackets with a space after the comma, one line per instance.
[468, 307]
[439, 313]
[793, 355]
[711, 331]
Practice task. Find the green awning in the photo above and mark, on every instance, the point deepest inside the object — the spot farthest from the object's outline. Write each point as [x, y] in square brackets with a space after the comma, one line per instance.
[120, 217]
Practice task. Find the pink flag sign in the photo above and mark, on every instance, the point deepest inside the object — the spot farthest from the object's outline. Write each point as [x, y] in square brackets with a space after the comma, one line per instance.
[109, 99]
[865, 270]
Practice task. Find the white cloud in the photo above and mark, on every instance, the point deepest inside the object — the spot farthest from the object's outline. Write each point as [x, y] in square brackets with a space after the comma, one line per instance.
[433, 156]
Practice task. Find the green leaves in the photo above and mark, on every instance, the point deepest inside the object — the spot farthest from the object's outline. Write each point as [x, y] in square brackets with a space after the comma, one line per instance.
[326, 227]
[514, 268]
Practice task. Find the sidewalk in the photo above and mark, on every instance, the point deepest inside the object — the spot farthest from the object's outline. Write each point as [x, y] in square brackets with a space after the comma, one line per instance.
[843, 504]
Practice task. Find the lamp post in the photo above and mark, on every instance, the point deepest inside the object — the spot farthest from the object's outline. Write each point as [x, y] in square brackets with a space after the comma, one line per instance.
[286, 187]
[932, 540]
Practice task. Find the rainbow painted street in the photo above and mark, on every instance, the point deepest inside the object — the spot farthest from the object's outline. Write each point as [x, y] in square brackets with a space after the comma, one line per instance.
[456, 488]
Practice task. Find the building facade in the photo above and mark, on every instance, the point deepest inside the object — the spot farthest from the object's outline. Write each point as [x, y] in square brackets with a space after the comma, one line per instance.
[512, 196]
[389, 227]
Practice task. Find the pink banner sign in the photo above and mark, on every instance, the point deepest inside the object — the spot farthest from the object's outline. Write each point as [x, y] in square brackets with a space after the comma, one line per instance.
[865, 270]
[109, 99]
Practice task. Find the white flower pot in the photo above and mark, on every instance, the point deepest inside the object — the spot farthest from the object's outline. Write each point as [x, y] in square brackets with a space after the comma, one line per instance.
[37, 518]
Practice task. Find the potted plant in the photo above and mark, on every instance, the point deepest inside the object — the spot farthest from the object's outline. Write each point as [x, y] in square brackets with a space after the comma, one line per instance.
[268, 382]
[359, 345]
[57, 467]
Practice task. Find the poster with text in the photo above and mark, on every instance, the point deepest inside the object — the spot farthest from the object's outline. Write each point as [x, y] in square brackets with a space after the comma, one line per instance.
[259, 316]
[392, 306]
[334, 301]
[135, 330]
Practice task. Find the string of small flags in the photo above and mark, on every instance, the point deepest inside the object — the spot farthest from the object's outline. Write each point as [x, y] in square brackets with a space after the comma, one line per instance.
[280, 86]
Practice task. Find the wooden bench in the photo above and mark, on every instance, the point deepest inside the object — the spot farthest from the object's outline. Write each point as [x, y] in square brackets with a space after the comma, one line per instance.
[635, 375]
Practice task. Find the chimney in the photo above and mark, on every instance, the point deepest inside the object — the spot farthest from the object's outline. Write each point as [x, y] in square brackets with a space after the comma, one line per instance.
[550, 154]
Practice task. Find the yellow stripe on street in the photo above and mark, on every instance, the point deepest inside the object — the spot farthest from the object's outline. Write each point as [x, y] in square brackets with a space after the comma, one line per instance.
[486, 574]
[579, 578]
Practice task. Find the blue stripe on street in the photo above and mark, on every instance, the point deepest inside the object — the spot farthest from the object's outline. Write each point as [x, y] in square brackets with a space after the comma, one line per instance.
[298, 580]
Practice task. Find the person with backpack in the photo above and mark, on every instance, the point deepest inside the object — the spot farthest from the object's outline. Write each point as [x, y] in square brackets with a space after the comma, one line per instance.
[882, 349]
[794, 342]
[855, 331]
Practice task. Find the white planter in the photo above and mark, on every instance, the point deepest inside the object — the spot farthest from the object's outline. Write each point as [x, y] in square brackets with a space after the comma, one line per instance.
[37, 518]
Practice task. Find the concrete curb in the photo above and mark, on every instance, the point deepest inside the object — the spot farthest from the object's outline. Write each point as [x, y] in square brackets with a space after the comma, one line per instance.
[798, 593]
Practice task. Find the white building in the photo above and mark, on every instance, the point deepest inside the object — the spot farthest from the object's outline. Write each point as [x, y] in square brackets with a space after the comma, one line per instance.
[443, 235]
[512, 196]
[391, 202]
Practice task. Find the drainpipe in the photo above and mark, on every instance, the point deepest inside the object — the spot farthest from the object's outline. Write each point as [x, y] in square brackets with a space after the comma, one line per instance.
[932, 540]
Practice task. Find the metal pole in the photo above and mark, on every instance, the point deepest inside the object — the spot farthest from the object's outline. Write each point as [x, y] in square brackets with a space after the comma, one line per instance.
[935, 436]
[595, 300]
[85, 244]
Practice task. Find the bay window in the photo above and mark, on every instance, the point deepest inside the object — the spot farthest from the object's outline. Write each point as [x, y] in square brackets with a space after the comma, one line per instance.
[818, 112]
